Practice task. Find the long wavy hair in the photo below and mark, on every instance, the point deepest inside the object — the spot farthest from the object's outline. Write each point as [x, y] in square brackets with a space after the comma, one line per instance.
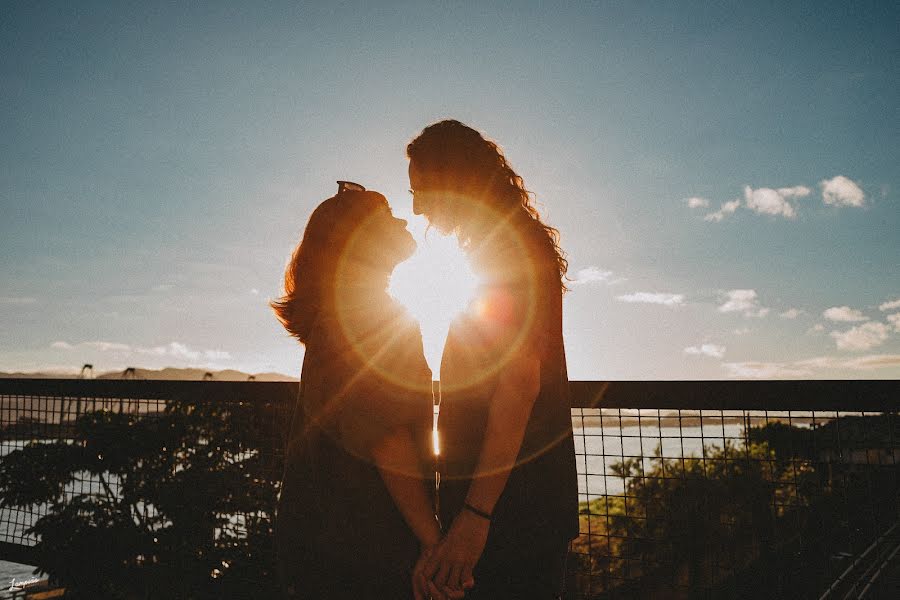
[311, 274]
[460, 156]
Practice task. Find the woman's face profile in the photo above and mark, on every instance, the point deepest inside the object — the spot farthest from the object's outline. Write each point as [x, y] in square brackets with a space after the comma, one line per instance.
[429, 200]
[390, 240]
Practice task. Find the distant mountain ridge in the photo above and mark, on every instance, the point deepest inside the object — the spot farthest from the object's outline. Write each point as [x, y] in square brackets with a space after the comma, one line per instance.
[168, 373]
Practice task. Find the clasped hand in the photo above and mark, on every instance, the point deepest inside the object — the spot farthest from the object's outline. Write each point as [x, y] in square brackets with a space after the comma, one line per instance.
[444, 570]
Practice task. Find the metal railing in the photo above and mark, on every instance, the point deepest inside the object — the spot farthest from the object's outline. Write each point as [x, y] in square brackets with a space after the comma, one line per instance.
[687, 489]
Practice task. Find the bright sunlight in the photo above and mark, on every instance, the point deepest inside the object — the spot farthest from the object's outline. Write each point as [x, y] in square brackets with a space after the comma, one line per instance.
[435, 285]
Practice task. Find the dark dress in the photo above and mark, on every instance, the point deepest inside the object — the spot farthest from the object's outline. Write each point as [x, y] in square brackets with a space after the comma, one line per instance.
[338, 532]
[519, 307]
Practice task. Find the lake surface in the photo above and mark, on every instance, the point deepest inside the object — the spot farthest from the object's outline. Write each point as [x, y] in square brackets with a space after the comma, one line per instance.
[597, 449]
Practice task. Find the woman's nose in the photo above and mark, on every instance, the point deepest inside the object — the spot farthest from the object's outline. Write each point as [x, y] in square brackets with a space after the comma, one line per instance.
[403, 222]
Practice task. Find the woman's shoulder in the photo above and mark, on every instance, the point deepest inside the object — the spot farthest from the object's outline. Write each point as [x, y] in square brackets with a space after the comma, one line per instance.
[384, 329]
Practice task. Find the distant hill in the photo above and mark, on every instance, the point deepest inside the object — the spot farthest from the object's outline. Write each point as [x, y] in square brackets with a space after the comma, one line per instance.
[168, 373]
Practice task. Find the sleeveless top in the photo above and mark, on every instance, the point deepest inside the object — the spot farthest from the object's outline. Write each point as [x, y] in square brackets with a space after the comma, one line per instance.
[519, 307]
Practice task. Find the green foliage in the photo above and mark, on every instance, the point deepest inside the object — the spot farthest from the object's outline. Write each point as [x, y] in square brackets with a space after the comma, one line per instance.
[181, 505]
[688, 523]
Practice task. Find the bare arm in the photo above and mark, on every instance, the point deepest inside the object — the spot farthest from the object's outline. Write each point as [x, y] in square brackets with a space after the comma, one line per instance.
[510, 409]
[397, 460]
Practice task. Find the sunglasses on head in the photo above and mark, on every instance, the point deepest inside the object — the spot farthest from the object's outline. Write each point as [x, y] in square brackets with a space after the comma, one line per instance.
[349, 186]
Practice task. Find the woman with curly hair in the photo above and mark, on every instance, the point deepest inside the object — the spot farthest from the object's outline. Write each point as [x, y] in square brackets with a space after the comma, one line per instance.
[355, 509]
[509, 493]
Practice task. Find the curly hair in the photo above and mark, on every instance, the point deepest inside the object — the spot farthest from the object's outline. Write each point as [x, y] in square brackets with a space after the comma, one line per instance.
[457, 153]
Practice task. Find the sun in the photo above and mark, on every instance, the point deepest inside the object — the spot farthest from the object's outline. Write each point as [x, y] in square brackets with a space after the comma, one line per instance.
[435, 285]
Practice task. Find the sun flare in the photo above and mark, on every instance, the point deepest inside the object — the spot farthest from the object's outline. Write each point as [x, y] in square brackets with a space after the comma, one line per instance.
[435, 285]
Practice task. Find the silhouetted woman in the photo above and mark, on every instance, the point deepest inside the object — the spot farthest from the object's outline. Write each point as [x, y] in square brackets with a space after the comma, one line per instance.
[508, 488]
[354, 510]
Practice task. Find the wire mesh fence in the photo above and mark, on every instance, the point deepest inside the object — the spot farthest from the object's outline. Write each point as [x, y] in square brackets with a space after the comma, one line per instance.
[732, 490]
[688, 489]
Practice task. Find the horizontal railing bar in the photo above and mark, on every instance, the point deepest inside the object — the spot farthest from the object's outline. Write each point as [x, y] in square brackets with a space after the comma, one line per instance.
[18, 553]
[793, 395]
[151, 389]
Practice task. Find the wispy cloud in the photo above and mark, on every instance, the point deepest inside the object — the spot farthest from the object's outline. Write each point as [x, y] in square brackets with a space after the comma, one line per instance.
[763, 370]
[653, 298]
[713, 350]
[844, 314]
[841, 191]
[173, 350]
[107, 346]
[894, 320]
[744, 302]
[890, 305]
[821, 365]
[697, 202]
[726, 209]
[861, 337]
[874, 361]
[591, 276]
[17, 300]
[791, 313]
[860, 363]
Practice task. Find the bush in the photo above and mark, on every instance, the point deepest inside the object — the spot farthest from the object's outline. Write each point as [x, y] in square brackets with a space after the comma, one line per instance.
[173, 505]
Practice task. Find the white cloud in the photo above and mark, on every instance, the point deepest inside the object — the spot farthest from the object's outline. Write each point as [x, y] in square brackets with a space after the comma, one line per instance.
[653, 298]
[841, 191]
[861, 363]
[696, 202]
[216, 355]
[727, 208]
[179, 350]
[173, 350]
[894, 320]
[591, 275]
[873, 361]
[712, 350]
[817, 328]
[821, 365]
[890, 305]
[107, 346]
[254, 291]
[798, 191]
[773, 202]
[844, 314]
[17, 300]
[743, 301]
[741, 331]
[763, 370]
[861, 337]
[791, 313]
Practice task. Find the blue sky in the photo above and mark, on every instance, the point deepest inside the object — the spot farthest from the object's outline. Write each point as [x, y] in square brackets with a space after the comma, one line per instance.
[158, 163]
